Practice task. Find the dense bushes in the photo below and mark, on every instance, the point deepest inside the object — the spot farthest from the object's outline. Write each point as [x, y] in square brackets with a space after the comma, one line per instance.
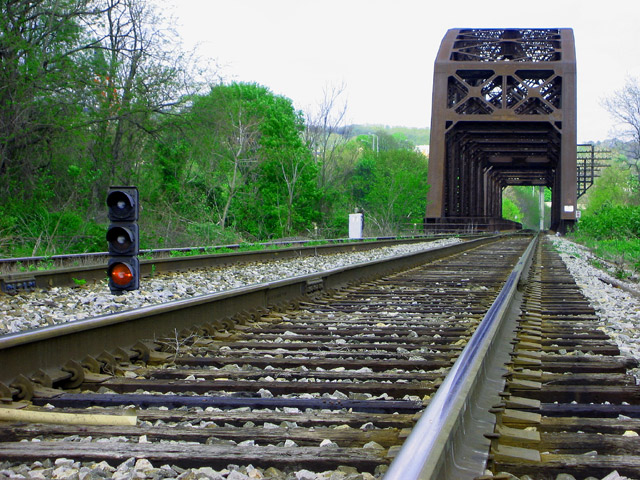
[610, 222]
[231, 168]
[41, 232]
[614, 222]
[510, 210]
[613, 233]
[106, 96]
[390, 188]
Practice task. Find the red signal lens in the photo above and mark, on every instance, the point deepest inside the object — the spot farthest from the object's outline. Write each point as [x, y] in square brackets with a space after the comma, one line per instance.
[121, 274]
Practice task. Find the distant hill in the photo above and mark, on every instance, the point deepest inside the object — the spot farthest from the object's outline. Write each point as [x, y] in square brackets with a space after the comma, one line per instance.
[417, 136]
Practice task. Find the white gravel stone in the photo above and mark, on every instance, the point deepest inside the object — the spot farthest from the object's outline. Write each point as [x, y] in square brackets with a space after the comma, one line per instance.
[306, 475]
[367, 427]
[235, 475]
[58, 305]
[373, 445]
[326, 443]
[143, 465]
[618, 310]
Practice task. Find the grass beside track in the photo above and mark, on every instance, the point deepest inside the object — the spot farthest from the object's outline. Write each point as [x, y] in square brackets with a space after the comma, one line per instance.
[623, 254]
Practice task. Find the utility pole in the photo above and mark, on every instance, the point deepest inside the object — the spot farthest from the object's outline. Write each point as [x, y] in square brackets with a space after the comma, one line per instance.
[541, 207]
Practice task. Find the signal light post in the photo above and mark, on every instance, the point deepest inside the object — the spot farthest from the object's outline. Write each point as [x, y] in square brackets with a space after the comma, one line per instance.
[123, 268]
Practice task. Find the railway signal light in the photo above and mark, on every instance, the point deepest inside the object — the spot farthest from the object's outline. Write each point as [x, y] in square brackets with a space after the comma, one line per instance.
[123, 273]
[123, 239]
[123, 267]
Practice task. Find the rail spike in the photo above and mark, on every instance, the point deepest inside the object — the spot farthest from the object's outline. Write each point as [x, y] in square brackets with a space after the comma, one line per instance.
[227, 323]
[121, 355]
[77, 374]
[91, 364]
[24, 386]
[109, 363]
[42, 378]
[143, 350]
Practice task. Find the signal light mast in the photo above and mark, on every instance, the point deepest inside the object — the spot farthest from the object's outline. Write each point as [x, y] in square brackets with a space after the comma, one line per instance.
[123, 268]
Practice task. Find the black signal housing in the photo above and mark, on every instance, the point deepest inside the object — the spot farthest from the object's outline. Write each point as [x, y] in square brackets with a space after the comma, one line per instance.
[124, 274]
[123, 238]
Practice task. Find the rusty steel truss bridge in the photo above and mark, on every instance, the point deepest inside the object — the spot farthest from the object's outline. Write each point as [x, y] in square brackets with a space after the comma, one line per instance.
[504, 113]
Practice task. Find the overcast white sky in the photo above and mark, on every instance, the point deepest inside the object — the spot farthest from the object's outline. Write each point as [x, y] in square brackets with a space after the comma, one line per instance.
[383, 50]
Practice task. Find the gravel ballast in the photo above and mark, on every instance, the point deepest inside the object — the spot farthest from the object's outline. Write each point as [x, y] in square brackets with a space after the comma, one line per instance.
[618, 310]
[58, 305]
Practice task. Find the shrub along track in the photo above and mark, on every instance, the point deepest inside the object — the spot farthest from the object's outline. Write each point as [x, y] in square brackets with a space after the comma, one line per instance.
[338, 381]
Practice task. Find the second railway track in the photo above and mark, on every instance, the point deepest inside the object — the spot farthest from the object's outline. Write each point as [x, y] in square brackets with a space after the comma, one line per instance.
[336, 384]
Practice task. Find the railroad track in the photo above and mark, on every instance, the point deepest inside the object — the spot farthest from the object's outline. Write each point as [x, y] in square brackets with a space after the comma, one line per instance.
[341, 379]
[336, 383]
[26, 274]
[569, 404]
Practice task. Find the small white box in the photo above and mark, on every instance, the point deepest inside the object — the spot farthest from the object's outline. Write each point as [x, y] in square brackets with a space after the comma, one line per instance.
[356, 223]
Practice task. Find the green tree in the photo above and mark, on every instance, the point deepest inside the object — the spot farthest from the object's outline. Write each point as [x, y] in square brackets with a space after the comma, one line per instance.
[610, 224]
[84, 84]
[138, 74]
[391, 187]
[325, 135]
[41, 71]
[362, 181]
[43, 60]
[248, 148]
[296, 172]
[510, 210]
[337, 196]
[616, 185]
[527, 201]
[227, 129]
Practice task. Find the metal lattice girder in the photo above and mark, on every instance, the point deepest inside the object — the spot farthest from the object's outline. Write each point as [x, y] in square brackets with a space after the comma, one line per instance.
[504, 113]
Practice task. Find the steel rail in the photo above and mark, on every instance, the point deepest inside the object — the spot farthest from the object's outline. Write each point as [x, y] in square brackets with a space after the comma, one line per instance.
[447, 442]
[65, 276]
[26, 354]
[231, 246]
